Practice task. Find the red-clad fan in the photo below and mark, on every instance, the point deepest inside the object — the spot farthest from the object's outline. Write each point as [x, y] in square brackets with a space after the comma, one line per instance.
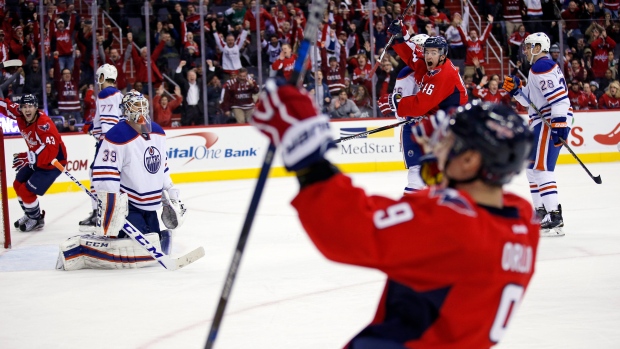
[334, 71]
[238, 99]
[600, 48]
[361, 74]
[611, 98]
[587, 100]
[475, 45]
[457, 256]
[35, 172]
[573, 94]
[492, 94]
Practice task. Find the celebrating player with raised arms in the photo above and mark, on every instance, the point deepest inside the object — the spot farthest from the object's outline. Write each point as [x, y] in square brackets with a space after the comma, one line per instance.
[547, 90]
[107, 115]
[457, 256]
[132, 181]
[35, 173]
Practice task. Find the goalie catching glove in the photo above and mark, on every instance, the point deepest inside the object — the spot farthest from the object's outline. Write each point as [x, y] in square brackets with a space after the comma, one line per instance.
[173, 212]
[290, 119]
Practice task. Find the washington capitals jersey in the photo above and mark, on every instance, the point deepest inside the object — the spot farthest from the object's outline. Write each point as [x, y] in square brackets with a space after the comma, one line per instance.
[108, 111]
[441, 88]
[133, 163]
[546, 88]
[453, 282]
[41, 136]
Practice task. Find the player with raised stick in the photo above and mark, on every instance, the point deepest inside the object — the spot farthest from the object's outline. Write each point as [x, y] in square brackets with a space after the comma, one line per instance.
[132, 181]
[458, 256]
[547, 90]
[107, 115]
[35, 173]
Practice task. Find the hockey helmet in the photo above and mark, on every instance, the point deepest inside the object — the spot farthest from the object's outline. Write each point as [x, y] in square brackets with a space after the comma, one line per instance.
[538, 38]
[108, 71]
[419, 39]
[136, 109]
[29, 99]
[501, 136]
[437, 42]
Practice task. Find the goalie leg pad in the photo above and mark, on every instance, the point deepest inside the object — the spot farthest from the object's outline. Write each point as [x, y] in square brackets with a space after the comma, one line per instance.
[111, 212]
[100, 252]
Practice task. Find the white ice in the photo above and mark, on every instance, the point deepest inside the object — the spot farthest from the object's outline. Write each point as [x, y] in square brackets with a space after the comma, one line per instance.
[286, 294]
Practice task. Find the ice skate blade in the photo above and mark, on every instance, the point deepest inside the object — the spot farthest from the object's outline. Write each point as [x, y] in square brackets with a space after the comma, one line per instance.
[553, 232]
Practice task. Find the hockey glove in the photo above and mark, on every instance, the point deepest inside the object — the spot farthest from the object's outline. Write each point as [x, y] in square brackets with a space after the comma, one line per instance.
[512, 84]
[20, 160]
[173, 213]
[32, 158]
[384, 106]
[393, 100]
[290, 119]
[559, 130]
[429, 170]
[395, 27]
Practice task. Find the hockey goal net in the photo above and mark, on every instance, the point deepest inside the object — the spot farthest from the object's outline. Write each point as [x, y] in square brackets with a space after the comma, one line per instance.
[5, 236]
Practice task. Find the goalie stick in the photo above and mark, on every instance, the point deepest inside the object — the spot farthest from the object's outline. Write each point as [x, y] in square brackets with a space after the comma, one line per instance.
[163, 259]
[389, 43]
[596, 179]
[315, 13]
[365, 133]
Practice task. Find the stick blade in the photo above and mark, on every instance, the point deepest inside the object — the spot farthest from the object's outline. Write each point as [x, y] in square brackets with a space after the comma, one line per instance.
[188, 258]
[597, 179]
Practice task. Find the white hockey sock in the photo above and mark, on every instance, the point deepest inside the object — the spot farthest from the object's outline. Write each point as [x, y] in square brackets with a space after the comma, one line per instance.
[548, 190]
[534, 190]
[414, 181]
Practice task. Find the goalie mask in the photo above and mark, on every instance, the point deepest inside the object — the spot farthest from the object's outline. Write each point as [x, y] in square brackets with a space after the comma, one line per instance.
[136, 110]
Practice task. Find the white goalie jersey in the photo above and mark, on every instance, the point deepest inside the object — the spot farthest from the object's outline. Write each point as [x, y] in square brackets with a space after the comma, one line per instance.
[135, 164]
[547, 90]
[108, 111]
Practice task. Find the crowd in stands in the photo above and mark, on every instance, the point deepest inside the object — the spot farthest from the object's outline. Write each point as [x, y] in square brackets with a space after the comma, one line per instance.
[235, 44]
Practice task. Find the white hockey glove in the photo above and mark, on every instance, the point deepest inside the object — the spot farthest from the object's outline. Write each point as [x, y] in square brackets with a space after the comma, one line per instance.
[112, 210]
[173, 213]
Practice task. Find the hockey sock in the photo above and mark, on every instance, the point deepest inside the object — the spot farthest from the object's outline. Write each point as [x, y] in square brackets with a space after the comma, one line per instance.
[534, 190]
[548, 190]
[414, 181]
[93, 202]
[21, 203]
[32, 210]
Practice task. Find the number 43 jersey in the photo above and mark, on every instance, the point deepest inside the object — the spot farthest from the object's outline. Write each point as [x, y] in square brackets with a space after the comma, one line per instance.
[133, 163]
[456, 271]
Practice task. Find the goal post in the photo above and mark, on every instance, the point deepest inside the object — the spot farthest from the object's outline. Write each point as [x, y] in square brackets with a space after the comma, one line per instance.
[5, 236]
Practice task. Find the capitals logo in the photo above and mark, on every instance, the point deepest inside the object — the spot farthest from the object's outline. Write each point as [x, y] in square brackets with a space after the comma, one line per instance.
[44, 127]
[152, 160]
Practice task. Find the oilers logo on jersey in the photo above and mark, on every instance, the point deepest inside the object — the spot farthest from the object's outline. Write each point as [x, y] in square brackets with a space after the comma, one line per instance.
[152, 159]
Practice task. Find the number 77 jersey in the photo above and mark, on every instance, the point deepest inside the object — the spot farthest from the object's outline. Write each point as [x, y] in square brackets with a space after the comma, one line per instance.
[108, 111]
[441, 88]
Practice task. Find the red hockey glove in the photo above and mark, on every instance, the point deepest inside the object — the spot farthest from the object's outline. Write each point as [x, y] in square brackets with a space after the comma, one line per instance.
[384, 106]
[290, 118]
[20, 160]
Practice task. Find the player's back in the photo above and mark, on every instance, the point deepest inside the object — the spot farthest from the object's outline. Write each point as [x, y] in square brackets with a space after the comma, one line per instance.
[108, 111]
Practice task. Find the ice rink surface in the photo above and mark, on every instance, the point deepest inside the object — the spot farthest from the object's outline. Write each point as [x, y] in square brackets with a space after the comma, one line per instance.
[286, 294]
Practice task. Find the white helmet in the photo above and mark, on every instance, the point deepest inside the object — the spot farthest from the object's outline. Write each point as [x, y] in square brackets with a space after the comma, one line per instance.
[136, 109]
[537, 39]
[108, 71]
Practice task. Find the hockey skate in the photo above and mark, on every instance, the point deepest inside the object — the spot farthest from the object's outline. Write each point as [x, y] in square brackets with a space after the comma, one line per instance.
[33, 224]
[88, 225]
[541, 212]
[552, 224]
[20, 221]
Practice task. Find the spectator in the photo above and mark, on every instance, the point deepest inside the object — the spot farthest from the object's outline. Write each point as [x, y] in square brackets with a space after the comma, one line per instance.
[492, 94]
[456, 46]
[600, 48]
[163, 107]
[114, 58]
[438, 19]
[221, 24]
[33, 77]
[342, 107]
[475, 46]
[361, 74]
[381, 37]
[611, 98]
[612, 6]
[272, 48]
[284, 64]
[571, 17]
[214, 93]
[236, 13]
[587, 100]
[191, 89]
[238, 100]
[62, 42]
[4, 48]
[516, 39]
[554, 51]
[534, 15]
[140, 62]
[334, 72]
[612, 64]
[52, 99]
[362, 101]
[386, 77]
[595, 90]
[321, 89]
[573, 94]
[90, 106]
[606, 80]
[231, 49]
[67, 85]
[511, 11]
[16, 44]
[576, 71]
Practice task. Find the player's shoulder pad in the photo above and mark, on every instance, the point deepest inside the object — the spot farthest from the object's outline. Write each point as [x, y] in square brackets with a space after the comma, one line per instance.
[155, 128]
[543, 65]
[107, 92]
[121, 133]
[44, 122]
[403, 73]
[453, 199]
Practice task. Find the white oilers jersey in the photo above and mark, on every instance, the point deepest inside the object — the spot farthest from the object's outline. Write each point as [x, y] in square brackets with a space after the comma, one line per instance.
[108, 111]
[127, 162]
[405, 84]
[546, 88]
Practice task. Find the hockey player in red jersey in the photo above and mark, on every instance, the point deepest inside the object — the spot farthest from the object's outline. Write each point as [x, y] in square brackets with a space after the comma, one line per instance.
[35, 173]
[440, 88]
[457, 256]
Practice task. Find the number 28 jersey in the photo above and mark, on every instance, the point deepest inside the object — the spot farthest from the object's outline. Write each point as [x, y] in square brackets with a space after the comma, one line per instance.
[456, 271]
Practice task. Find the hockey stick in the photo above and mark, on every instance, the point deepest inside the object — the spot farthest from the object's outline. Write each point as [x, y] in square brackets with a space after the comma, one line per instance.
[129, 229]
[596, 179]
[389, 43]
[362, 134]
[315, 14]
